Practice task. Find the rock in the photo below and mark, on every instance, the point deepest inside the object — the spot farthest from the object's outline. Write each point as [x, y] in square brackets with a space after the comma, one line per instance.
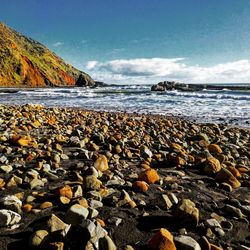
[36, 184]
[214, 149]
[115, 221]
[66, 191]
[76, 214]
[64, 200]
[226, 176]
[145, 152]
[14, 181]
[93, 213]
[55, 224]
[186, 243]
[128, 247]
[24, 141]
[106, 243]
[173, 198]
[38, 238]
[85, 80]
[162, 240]
[150, 176]
[214, 247]
[2, 183]
[204, 243]
[126, 200]
[95, 203]
[212, 166]
[46, 204]
[11, 202]
[233, 211]
[91, 182]
[6, 168]
[101, 163]
[56, 246]
[95, 230]
[226, 225]
[234, 171]
[78, 191]
[167, 201]
[27, 208]
[227, 187]
[157, 88]
[242, 247]
[140, 186]
[212, 223]
[8, 218]
[187, 212]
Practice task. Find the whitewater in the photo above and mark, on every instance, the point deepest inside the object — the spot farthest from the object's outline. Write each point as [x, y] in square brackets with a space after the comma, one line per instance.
[224, 106]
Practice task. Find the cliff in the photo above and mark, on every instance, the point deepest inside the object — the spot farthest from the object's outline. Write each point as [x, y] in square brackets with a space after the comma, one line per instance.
[26, 62]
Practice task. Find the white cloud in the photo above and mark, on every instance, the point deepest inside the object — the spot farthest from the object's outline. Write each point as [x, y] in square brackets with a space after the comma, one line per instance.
[143, 70]
[91, 65]
[57, 44]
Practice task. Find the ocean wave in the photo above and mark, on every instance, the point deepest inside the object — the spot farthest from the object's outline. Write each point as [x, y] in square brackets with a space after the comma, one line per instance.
[220, 95]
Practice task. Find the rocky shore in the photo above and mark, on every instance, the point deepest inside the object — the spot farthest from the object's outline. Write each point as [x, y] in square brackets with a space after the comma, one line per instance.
[77, 179]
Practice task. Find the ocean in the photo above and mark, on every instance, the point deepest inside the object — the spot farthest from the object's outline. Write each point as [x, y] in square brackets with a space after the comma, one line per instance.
[207, 106]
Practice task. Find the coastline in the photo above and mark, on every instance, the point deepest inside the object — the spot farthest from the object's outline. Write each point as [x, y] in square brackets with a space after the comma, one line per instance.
[130, 172]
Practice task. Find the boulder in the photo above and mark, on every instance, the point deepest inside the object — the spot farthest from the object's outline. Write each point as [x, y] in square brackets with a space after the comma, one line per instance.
[85, 81]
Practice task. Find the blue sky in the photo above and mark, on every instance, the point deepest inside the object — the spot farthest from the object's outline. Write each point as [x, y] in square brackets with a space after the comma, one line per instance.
[141, 41]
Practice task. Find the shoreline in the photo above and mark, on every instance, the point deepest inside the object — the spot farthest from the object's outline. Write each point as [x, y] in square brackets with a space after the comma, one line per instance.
[117, 173]
[226, 122]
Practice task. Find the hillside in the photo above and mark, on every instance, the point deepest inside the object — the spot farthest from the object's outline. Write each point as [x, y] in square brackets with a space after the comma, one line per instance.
[26, 62]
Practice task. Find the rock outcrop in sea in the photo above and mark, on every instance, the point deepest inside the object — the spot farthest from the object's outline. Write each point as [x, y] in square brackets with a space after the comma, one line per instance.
[25, 62]
[172, 85]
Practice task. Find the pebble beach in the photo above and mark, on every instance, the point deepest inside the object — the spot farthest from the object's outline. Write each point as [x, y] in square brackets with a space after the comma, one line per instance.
[79, 179]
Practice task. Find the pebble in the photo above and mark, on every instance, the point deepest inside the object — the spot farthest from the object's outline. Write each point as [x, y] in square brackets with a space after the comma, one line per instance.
[36, 184]
[106, 243]
[187, 212]
[184, 242]
[233, 211]
[6, 168]
[140, 186]
[8, 217]
[163, 239]
[212, 166]
[91, 182]
[11, 202]
[101, 163]
[115, 221]
[38, 238]
[167, 201]
[212, 223]
[242, 247]
[150, 176]
[145, 152]
[76, 214]
[55, 224]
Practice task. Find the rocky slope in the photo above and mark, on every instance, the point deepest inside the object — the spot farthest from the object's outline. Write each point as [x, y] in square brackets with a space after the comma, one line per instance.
[26, 62]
